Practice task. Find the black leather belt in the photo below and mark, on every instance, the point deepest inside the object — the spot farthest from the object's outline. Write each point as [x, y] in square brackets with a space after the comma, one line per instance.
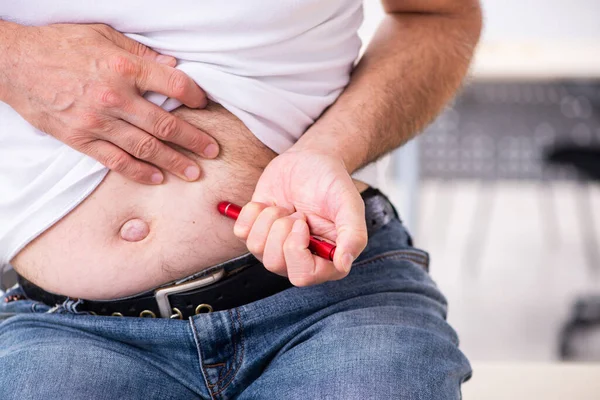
[227, 285]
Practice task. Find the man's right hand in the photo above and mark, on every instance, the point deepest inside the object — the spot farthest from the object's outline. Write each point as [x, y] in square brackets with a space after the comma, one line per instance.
[83, 84]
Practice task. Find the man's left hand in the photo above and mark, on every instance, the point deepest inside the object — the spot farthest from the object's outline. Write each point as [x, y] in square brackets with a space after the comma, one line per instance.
[304, 192]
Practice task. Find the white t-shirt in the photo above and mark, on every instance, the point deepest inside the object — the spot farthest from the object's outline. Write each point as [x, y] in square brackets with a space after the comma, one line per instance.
[275, 64]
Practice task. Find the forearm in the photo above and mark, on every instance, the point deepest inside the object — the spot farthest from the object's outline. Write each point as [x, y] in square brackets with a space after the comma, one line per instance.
[412, 67]
[8, 36]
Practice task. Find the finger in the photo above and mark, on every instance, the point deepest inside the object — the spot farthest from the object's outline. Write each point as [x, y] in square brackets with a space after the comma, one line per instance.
[300, 261]
[325, 271]
[273, 258]
[246, 219]
[172, 83]
[146, 147]
[351, 230]
[304, 268]
[120, 161]
[133, 46]
[166, 126]
[257, 237]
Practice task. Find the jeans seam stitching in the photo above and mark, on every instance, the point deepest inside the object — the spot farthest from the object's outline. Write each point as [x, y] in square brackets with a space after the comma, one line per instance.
[215, 365]
[241, 353]
[200, 356]
[422, 262]
[234, 354]
[402, 254]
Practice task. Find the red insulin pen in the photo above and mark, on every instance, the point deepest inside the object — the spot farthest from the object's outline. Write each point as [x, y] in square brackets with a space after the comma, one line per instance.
[316, 246]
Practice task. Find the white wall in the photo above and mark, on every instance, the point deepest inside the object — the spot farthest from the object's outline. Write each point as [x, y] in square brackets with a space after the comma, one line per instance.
[522, 19]
[541, 20]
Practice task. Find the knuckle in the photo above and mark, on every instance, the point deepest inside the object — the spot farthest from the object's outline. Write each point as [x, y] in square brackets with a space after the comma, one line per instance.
[117, 162]
[273, 259]
[139, 49]
[197, 142]
[269, 212]
[281, 224]
[123, 65]
[177, 83]
[272, 264]
[146, 148]
[240, 231]
[276, 215]
[144, 74]
[102, 29]
[166, 127]
[175, 162]
[275, 211]
[80, 141]
[254, 246]
[290, 247]
[138, 174]
[110, 98]
[91, 120]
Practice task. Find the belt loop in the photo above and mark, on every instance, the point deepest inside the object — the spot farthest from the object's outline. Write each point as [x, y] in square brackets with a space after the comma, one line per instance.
[69, 306]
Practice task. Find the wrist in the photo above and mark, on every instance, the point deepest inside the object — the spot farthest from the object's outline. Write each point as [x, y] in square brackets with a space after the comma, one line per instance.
[333, 146]
[315, 147]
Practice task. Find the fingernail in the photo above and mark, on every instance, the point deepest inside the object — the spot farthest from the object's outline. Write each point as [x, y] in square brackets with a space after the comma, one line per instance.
[192, 173]
[156, 177]
[298, 226]
[161, 59]
[211, 151]
[347, 261]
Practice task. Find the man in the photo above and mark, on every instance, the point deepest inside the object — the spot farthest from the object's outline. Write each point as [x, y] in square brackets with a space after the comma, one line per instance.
[158, 246]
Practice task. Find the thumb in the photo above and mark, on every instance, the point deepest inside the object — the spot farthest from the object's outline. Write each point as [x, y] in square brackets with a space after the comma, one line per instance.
[136, 48]
[351, 231]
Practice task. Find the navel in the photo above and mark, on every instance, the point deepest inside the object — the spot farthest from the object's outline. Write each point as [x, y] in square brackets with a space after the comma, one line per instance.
[134, 230]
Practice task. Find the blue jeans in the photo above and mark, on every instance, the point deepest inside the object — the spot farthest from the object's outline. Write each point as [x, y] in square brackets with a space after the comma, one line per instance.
[379, 333]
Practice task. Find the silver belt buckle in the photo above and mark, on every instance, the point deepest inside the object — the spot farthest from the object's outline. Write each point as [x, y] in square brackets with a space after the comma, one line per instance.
[162, 295]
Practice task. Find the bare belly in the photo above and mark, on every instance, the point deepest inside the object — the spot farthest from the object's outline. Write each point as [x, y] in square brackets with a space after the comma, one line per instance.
[84, 255]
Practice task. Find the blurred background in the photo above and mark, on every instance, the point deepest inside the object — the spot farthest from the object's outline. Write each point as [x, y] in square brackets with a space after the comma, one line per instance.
[502, 191]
